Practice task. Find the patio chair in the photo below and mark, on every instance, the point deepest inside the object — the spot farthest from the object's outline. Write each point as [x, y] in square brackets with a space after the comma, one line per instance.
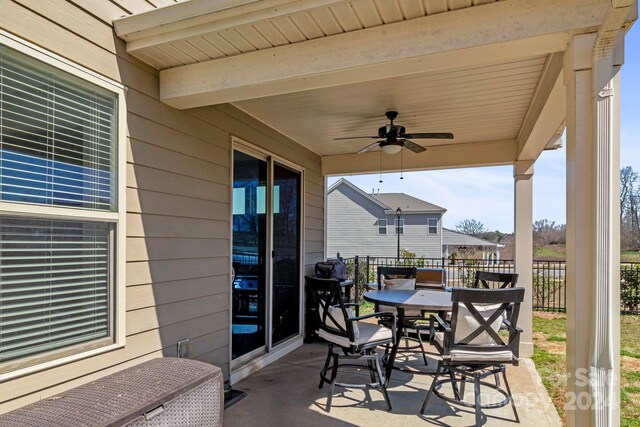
[349, 338]
[491, 280]
[472, 349]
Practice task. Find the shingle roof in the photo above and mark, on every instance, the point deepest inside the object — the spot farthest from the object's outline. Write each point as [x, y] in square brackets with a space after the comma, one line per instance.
[406, 203]
[453, 238]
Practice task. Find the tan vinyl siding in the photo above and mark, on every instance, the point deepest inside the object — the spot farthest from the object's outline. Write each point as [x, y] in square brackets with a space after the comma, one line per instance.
[177, 199]
[352, 228]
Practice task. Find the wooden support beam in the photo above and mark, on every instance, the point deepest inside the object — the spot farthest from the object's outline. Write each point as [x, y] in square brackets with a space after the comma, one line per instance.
[497, 31]
[546, 111]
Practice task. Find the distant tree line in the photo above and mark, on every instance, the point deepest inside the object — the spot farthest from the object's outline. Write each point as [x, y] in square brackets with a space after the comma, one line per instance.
[547, 232]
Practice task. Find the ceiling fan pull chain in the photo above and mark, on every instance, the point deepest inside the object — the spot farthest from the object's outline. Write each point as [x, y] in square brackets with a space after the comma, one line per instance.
[401, 162]
[380, 167]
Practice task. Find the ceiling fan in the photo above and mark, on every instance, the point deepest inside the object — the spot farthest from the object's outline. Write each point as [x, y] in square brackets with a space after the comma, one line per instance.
[394, 138]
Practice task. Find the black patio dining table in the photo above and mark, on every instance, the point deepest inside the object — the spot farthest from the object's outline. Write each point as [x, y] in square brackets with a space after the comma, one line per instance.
[436, 301]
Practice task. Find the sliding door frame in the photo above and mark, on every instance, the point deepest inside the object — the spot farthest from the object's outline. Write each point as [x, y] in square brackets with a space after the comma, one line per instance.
[254, 360]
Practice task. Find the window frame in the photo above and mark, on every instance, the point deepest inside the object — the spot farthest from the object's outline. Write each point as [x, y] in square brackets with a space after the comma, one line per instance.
[117, 308]
[381, 227]
[398, 226]
[429, 226]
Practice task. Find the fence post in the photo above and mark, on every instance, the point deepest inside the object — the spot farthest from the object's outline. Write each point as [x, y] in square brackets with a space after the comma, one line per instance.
[356, 281]
[442, 262]
[367, 280]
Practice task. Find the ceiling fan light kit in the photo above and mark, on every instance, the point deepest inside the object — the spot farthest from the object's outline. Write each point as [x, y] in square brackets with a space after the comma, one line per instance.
[395, 138]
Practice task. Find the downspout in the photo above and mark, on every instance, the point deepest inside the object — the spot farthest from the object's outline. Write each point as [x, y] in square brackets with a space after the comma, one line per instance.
[603, 372]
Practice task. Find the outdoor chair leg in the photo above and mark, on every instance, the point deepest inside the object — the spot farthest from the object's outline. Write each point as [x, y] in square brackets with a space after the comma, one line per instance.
[433, 386]
[382, 382]
[477, 399]
[506, 385]
[332, 385]
[424, 356]
[462, 384]
[323, 372]
[454, 385]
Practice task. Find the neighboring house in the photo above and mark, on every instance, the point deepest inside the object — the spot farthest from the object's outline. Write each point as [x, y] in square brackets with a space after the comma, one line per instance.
[362, 224]
[460, 242]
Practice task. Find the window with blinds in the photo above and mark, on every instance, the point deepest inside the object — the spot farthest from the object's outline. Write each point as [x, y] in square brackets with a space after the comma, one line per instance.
[55, 284]
[58, 151]
[57, 145]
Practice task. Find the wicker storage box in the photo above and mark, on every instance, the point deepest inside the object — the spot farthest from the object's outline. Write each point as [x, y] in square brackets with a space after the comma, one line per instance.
[160, 392]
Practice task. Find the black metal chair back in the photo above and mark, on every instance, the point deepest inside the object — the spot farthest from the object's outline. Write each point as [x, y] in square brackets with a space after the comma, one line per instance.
[491, 280]
[327, 293]
[504, 304]
[395, 273]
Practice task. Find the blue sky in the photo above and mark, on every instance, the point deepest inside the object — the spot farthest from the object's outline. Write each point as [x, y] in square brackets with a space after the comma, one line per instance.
[486, 194]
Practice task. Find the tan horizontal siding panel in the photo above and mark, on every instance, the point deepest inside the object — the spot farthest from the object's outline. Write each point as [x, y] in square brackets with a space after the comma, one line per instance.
[103, 10]
[146, 178]
[148, 225]
[314, 223]
[70, 16]
[145, 272]
[149, 318]
[147, 154]
[149, 295]
[154, 248]
[157, 134]
[143, 201]
[148, 107]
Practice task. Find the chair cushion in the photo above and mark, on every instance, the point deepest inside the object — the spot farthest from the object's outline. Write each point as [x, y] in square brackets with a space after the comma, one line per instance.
[340, 322]
[369, 333]
[466, 324]
[498, 356]
[400, 284]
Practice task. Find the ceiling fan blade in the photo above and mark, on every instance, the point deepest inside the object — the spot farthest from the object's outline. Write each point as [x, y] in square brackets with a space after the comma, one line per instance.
[413, 147]
[435, 135]
[356, 137]
[369, 147]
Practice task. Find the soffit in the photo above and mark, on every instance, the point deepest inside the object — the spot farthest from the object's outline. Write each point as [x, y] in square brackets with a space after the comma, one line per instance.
[233, 37]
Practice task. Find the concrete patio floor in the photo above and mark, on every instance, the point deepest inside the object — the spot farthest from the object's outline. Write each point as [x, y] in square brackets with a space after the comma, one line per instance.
[286, 393]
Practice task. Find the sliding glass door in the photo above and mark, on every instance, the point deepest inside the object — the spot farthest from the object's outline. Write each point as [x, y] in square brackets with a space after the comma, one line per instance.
[265, 254]
[286, 253]
[248, 318]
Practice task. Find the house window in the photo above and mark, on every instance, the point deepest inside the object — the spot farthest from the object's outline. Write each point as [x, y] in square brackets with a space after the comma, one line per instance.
[432, 224]
[399, 226]
[382, 226]
[61, 242]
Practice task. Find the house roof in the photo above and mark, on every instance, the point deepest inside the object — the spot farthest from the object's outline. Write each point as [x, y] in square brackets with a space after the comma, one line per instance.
[407, 203]
[392, 201]
[453, 238]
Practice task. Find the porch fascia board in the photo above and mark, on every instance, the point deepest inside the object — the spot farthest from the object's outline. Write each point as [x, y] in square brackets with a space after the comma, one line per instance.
[472, 154]
[196, 17]
[546, 112]
[494, 32]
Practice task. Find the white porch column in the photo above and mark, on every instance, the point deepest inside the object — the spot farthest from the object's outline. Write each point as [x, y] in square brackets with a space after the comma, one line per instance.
[523, 257]
[593, 229]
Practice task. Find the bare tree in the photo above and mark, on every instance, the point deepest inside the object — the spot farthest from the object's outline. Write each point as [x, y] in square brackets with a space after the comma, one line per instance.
[630, 208]
[470, 226]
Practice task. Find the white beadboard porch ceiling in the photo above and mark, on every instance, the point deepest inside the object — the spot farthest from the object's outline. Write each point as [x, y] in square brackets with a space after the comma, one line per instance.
[488, 71]
[476, 104]
[277, 28]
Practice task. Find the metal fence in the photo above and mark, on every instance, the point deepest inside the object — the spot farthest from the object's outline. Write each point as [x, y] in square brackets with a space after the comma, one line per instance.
[549, 277]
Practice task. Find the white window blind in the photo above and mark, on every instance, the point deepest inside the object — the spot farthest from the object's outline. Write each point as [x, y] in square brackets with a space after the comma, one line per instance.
[58, 150]
[55, 284]
[57, 137]
[382, 226]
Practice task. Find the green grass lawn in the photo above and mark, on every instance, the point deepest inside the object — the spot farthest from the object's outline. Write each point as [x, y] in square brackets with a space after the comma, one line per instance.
[630, 256]
[550, 359]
